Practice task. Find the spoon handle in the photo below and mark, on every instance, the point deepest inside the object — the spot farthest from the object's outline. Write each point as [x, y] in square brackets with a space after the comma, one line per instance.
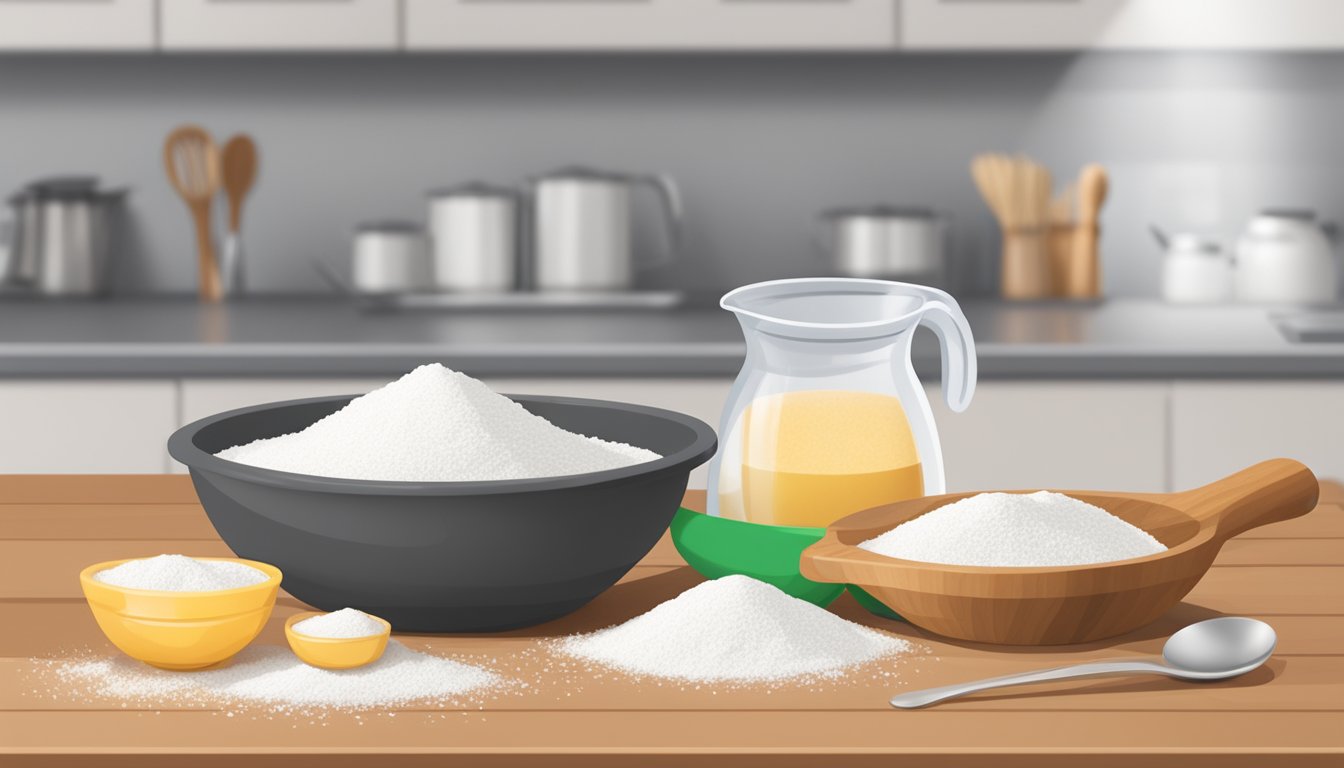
[916, 699]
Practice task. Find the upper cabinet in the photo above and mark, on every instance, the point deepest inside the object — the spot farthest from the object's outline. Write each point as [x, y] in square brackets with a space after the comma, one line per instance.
[290, 25]
[77, 25]
[641, 25]
[1121, 24]
[669, 25]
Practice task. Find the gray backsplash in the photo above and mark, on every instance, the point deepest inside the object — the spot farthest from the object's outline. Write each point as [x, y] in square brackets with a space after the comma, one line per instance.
[759, 143]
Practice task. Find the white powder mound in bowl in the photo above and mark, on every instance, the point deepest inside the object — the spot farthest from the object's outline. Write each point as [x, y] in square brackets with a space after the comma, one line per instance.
[345, 623]
[179, 573]
[273, 676]
[435, 425]
[734, 629]
[1039, 529]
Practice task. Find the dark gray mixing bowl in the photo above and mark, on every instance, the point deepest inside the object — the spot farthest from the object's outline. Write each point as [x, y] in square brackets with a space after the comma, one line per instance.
[447, 557]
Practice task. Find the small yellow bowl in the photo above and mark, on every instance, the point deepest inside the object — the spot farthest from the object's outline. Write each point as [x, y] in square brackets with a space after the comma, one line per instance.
[181, 630]
[336, 652]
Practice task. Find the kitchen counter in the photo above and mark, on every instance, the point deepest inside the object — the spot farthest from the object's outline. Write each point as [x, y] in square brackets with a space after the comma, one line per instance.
[319, 337]
[1286, 713]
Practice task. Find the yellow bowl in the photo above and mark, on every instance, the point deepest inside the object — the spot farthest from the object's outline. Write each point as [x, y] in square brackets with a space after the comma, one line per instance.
[181, 630]
[336, 652]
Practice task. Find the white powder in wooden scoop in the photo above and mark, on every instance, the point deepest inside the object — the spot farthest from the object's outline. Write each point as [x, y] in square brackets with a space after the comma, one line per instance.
[179, 573]
[345, 623]
[734, 629]
[1016, 530]
[436, 425]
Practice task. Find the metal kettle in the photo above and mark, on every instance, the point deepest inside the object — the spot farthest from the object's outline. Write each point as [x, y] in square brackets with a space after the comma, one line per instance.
[582, 232]
[60, 239]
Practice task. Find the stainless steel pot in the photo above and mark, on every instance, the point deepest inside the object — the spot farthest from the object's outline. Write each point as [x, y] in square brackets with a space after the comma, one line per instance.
[389, 257]
[474, 228]
[582, 238]
[60, 237]
[884, 241]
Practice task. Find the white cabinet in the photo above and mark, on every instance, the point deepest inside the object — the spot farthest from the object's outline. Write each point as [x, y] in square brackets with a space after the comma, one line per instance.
[206, 397]
[1034, 434]
[77, 25]
[1143, 436]
[292, 25]
[58, 426]
[1121, 24]
[1220, 427]
[650, 24]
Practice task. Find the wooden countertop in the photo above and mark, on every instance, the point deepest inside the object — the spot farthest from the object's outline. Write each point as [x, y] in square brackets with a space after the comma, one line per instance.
[1288, 713]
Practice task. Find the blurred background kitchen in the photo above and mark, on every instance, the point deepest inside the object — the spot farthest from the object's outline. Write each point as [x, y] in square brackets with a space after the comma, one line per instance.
[1132, 199]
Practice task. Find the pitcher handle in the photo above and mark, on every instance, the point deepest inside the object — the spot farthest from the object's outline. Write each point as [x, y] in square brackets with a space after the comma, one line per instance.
[670, 196]
[943, 316]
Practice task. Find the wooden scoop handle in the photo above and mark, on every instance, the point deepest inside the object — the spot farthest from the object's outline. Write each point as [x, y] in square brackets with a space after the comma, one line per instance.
[1269, 492]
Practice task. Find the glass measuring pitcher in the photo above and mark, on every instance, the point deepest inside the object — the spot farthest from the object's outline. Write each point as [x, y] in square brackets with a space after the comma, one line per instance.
[827, 416]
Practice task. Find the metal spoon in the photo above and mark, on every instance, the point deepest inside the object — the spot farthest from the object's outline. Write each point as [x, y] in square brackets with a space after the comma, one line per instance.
[1215, 649]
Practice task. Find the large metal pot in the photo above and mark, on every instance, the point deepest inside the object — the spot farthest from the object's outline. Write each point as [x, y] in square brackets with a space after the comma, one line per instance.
[884, 241]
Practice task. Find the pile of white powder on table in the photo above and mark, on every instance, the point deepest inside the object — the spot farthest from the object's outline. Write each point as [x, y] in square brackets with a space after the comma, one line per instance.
[273, 677]
[1039, 529]
[734, 629]
[179, 573]
[345, 623]
[435, 425]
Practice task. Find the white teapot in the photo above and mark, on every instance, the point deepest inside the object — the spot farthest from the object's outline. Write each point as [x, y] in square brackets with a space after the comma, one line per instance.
[1287, 256]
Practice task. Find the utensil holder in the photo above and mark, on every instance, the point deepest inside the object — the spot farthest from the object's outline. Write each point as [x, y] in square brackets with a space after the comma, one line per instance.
[1074, 270]
[1026, 274]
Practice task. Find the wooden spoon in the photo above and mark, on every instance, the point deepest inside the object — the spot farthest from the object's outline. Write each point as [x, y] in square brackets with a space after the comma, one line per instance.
[240, 171]
[192, 162]
[1064, 604]
[1085, 274]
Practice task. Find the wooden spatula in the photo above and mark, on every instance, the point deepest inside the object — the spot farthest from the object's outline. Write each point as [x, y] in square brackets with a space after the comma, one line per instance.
[192, 161]
[240, 171]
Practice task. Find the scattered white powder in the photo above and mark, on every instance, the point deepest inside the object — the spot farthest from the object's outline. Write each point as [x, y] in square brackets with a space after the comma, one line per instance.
[273, 676]
[734, 628]
[179, 573]
[346, 622]
[1016, 529]
[435, 425]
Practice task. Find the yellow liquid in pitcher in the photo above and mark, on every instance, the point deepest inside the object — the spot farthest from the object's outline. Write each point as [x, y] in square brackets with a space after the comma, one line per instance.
[810, 458]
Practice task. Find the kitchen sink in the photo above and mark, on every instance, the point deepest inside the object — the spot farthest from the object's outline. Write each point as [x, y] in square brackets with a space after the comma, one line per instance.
[1319, 327]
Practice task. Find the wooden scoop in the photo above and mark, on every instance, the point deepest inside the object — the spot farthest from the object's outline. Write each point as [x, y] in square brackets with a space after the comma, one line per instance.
[1069, 604]
[192, 161]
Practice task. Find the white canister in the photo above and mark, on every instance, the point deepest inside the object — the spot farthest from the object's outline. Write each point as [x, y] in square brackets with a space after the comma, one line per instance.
[1195, 271]
[389, 257]
[474, 228]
